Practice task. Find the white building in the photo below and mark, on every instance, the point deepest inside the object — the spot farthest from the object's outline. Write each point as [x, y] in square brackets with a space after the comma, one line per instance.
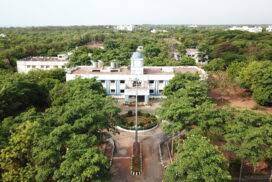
[193, 26]
[158, 30]
[120, 82]
[153, 31]
[248, 29]
[125, 27]
[176, 56]
[269, 29]
[195, 54]
[2, 35]
[44, 63]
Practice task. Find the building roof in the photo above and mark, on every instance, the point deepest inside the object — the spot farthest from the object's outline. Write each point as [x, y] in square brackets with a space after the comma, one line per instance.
[152, 70]
[40, 58]
[192, 51]
[93, 70]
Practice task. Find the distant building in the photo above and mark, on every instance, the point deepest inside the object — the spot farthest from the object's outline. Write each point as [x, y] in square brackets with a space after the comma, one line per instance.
[176, 56]
[43, 63]
[2, 35]
[248, 29]
[196, 55]
[269, 29]
[120, 82]
[153, 31]
[125, 27]
[193, 26]
[157, 31]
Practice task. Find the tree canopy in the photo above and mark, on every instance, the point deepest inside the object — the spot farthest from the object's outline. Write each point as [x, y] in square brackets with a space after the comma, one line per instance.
[197, 160]
[61, 143]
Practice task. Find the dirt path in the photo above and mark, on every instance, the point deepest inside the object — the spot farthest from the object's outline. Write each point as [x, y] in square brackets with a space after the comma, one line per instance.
[152, 169]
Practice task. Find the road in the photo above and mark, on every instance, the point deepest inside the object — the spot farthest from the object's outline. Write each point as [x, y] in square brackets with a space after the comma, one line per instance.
[152, 169]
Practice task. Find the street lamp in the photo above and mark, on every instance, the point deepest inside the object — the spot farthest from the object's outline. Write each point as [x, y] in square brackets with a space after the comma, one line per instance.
[136, 111]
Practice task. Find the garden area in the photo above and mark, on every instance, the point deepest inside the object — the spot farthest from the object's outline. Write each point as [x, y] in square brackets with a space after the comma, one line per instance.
[145, 120]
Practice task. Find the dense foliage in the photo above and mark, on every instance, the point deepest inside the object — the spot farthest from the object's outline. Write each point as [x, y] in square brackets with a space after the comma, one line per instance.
[245, 133]
[51, 130]
[105, 44]
[62, 142]
[21, 91]
[257, 76]
[197, 160]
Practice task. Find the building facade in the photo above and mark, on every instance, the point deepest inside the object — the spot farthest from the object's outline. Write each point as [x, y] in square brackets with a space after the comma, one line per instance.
[255, 29]
[127, 82]
[125, 27]
[269, 29]
[43, 63]
[195, 54]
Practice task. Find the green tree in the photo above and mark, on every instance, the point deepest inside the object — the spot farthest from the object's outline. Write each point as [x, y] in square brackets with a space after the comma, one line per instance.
[248, 136]
[179, 82]
[257, 77]
[187, 61]
[17, 160]
[197, 160]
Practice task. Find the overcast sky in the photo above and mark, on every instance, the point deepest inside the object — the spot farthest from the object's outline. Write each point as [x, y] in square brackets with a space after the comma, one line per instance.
[97, 12]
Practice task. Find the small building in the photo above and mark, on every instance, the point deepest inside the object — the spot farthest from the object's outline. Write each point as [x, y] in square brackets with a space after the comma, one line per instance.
[43, 63]
[193, 26]
[121, 82]
[269, 29]
[2, 35]
[129, 28]
[196, 55]
[256, 29]
[153, 31]
[158, 31]
[176, 56]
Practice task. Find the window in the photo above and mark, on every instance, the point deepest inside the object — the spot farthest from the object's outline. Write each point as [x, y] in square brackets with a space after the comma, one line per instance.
[160, 91]
[55, 66]
[28, 66]
[122, 91]
[136, 83]
[95, 70]
[122, 81]
[151, 81]
[113, 70]
[161, 81]
[47, 66]
[112, 81]
[42, 66]
[151, 91]
[112, 91]
[102, 81]
[33, 66]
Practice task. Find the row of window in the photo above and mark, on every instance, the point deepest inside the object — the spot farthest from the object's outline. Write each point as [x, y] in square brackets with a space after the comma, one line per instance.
[122, 91]
[44, 66]
[152, 81]
[153, 91]
[123, 81]
[112, 91]
[112, 81]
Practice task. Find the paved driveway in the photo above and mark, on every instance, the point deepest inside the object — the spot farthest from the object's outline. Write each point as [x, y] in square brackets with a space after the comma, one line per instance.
[152, 169]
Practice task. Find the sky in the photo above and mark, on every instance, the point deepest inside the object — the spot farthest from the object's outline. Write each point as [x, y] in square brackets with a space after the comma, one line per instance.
[112, 12]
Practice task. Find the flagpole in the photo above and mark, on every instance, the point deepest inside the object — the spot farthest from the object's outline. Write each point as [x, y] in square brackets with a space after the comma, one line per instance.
[136, 112]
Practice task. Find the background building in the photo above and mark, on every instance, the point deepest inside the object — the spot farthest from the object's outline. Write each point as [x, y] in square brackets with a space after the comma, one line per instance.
[248, 29]
[125, 27]
[198, 56]
[269, 29]
[44, 63]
